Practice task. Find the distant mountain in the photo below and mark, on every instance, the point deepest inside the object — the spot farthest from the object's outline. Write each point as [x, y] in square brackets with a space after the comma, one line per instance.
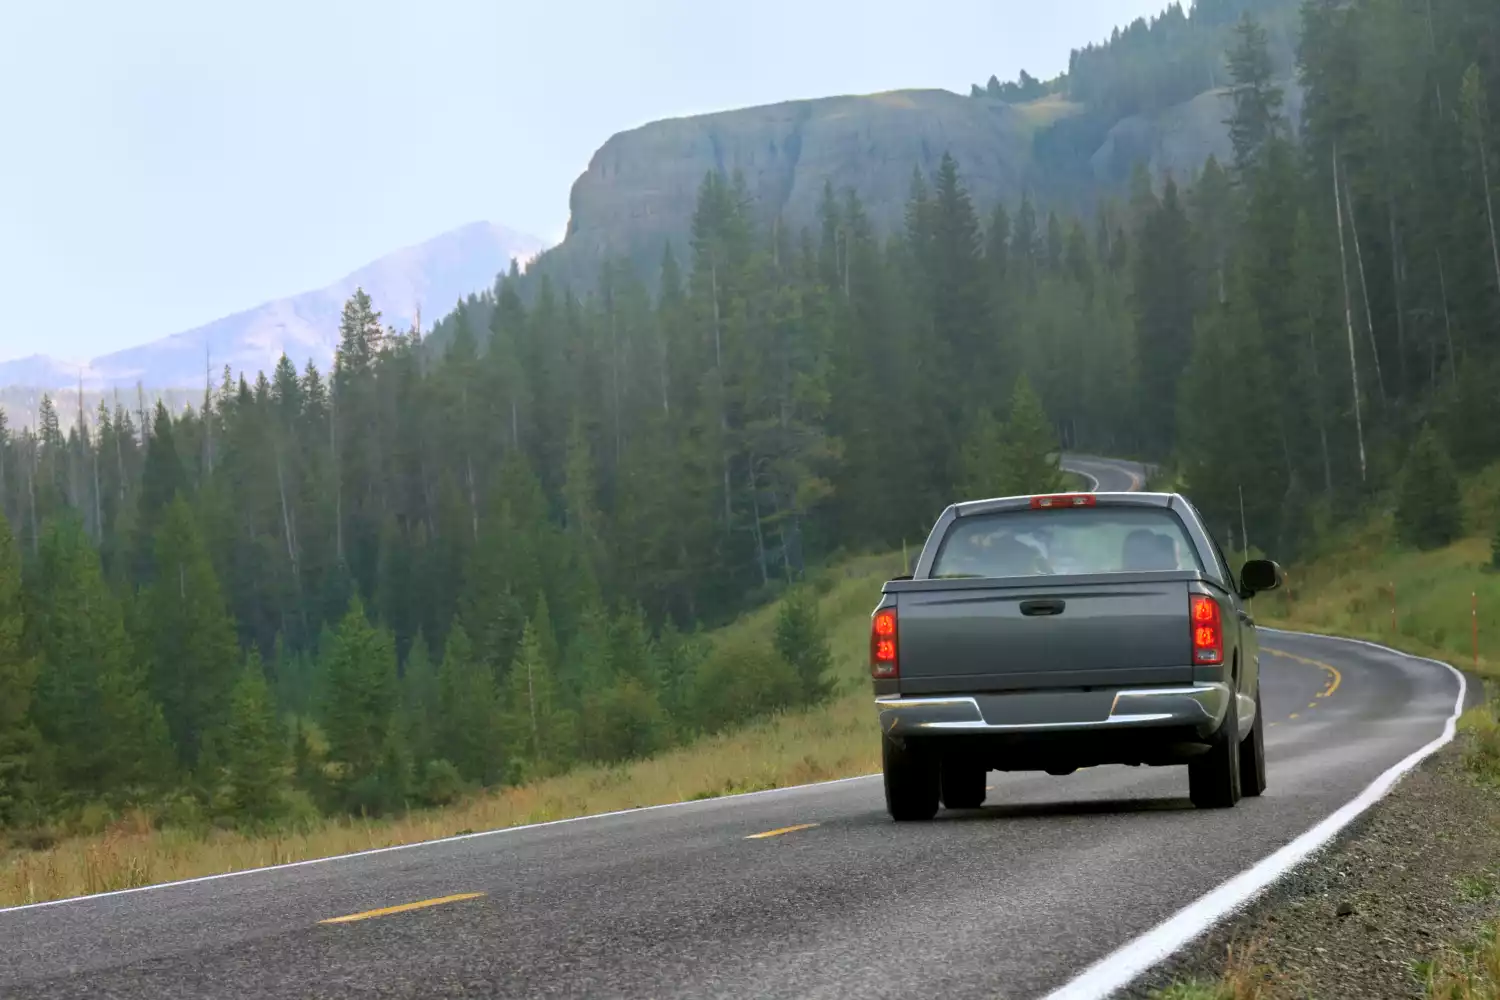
[431, 277]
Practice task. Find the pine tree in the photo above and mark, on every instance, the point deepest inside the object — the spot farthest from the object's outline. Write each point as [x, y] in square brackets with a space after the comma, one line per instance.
[1473, 116]
[361, 695]
[802, 641]
[254, 748]
[1428, 511]
[1231, 374]
[983, 460]
[419, 701]
[470, 734]
[1163, 314]
[162, 479]
[538, 733]
[188, 638]
[92, 703]
[1031, 450]
[21, 751]
[1257, 100]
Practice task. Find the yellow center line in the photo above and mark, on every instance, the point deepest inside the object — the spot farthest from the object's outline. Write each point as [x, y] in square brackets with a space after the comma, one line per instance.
[779, 832]
[1292, 716]
[386, 911]
[1335, 678]
[1312, 704]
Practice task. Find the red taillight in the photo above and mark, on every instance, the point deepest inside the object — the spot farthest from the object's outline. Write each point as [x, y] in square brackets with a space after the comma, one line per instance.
[883, 644]
[1208, 630]
[1065, 500]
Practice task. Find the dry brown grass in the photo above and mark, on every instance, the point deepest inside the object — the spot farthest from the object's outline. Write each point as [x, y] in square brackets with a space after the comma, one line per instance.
[1471, 973]
[836, 740]
[1244, 979]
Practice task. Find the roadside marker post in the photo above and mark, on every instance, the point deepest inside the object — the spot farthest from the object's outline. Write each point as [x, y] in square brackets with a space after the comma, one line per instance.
[1393, 607]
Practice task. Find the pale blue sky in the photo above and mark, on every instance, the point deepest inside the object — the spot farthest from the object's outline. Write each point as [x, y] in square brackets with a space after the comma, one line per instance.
[165, 162]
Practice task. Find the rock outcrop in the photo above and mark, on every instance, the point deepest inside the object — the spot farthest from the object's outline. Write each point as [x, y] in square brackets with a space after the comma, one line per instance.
[1179, 140]
[640, 188]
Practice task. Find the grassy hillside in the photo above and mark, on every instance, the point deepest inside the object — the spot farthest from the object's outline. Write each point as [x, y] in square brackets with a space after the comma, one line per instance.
[1362, 573]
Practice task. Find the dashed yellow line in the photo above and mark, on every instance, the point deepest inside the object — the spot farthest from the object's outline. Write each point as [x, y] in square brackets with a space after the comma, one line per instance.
[779, 832]
[404, 907]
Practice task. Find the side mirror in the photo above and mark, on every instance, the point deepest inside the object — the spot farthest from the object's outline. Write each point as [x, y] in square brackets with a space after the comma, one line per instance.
[1260, 575]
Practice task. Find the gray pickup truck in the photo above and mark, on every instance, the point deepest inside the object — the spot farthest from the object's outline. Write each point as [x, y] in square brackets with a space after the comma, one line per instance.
[1050, 633]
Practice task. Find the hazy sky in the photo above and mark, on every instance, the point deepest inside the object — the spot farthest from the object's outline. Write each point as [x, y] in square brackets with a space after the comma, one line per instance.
[165, 162]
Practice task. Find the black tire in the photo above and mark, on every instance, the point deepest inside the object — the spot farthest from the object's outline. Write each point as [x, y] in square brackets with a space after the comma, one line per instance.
[911, 781]
[1253, 755]
[1214, 777]
[962, 784]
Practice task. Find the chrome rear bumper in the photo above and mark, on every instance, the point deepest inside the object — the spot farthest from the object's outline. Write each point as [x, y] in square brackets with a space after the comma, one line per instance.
[1199, 706]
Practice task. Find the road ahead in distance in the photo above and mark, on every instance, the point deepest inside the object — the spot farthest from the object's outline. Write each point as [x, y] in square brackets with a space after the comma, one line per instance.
[1107, 475]
[807, 892]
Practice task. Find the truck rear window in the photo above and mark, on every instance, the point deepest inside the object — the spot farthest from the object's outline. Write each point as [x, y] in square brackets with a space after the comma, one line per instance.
[1065, 541]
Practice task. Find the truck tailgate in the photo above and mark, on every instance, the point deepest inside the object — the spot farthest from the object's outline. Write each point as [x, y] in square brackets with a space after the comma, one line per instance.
[1035, 634]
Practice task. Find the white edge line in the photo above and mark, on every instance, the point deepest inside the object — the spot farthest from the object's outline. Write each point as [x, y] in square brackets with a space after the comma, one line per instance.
[1125, 964]
[499, 831]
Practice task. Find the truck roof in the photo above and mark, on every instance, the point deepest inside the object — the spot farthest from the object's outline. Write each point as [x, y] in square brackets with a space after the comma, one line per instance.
[995, 504]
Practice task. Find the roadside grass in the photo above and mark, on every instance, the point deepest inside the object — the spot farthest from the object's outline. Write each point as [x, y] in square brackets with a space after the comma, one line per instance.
[1462, 970]
[1244, 979]
[1467, 972]
[835, 740]
[1471, 970]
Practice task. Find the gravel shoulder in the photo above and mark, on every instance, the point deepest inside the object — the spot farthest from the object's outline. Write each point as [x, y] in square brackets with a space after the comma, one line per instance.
[1413, 881]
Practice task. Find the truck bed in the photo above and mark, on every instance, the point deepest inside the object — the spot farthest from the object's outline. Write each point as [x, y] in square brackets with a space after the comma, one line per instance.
[1045, 633]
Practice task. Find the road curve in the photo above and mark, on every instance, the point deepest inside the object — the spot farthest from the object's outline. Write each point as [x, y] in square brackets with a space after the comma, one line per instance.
[1013, 899]
[1107, 475]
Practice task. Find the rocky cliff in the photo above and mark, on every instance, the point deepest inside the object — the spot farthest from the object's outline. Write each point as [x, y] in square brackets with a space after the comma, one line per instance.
[641, 185]
[640, 188]
[1179, 140]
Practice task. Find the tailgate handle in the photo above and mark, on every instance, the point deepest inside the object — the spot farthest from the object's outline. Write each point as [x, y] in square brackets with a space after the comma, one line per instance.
[1048, 606]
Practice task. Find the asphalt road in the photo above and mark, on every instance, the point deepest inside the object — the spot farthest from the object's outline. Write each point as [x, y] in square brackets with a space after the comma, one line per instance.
[1010, 900]
[1107, 475]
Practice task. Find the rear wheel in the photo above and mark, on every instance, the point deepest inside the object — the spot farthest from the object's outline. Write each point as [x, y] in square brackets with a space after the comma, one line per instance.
[1253, 755]
[962, 784]
[911, 780]
[1214, 777]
